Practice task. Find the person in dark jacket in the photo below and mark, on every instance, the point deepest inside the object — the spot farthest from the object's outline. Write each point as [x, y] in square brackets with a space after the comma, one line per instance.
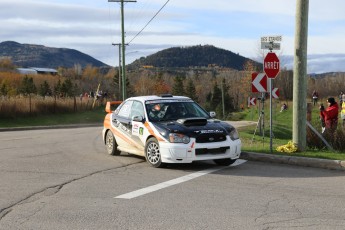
[330, 115]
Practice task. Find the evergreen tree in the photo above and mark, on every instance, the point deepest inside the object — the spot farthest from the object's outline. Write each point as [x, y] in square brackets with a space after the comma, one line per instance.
[57, 88]
[67, 88]
[191, 91]
[116, 84]
[44, 89]
[178, 86]
[28, 87]
[129, 89]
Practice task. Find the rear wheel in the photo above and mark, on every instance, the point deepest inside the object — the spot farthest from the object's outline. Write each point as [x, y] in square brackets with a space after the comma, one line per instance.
[111, 144]
[224, 162]
[152, 153]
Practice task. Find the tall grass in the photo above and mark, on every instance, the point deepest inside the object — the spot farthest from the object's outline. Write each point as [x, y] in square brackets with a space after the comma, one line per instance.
[17, 107]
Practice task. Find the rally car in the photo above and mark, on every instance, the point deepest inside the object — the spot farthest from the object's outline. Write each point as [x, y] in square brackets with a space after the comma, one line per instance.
[169, 129]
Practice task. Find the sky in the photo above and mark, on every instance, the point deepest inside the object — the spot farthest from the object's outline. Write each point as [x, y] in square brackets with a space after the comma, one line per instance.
[92, 26]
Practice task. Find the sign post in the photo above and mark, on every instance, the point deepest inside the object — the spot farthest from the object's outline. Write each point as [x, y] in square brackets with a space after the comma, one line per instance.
[271, 68]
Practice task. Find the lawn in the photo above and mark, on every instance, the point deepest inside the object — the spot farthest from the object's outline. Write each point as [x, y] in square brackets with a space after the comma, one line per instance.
[255, 139]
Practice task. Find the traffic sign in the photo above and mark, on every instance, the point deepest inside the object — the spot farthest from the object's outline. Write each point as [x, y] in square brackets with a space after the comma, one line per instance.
[259, 83]
[277, 38]
[270, 46]
[275, 93]
[251, 101]
[271, 65]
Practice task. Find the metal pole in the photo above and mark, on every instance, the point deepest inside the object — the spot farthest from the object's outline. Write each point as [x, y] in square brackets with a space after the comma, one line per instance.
[270, 85]
[119, 44]
[299, 76]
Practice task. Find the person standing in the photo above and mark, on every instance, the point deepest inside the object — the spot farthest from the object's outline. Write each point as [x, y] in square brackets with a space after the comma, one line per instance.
[315, 97]
[342, 113]
[341, 98]
[330, 115]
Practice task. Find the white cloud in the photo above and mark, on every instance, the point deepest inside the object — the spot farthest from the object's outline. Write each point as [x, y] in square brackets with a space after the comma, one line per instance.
[91, 26]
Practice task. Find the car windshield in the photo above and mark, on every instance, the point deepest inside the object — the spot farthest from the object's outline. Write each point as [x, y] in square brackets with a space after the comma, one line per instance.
[174, 110]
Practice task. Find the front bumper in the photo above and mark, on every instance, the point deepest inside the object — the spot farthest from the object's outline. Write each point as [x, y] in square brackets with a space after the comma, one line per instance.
[187, 153]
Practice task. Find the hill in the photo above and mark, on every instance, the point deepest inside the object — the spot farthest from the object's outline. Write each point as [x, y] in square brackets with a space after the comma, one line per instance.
[27, 55]
[184, 57]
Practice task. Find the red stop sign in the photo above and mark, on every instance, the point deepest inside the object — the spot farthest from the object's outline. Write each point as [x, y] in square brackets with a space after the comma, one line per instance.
[271, 65]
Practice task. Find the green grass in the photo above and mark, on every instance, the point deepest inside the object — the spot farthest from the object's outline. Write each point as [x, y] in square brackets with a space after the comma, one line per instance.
[94, 116]
[282, 134]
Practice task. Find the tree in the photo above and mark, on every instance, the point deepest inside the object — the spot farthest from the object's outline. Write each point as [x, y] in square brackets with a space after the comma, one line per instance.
[28, 87]
[116, 84]
[67, 88]
[57, 88]
[161, 86]
[44, 89]
[191, 91]
[177, 88]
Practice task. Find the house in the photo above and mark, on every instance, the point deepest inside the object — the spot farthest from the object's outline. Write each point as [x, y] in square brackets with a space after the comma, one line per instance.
[35, 70]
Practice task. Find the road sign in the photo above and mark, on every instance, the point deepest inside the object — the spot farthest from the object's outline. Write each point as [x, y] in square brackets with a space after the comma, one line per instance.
[271, 65]
[277, 38]
[251, 101]
[259, 83]
[270, 46]
[275, 93]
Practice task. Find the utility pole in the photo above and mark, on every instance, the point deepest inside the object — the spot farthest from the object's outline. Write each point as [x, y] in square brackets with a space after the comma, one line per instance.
[300, 76]
[124, 93]
[119, 44]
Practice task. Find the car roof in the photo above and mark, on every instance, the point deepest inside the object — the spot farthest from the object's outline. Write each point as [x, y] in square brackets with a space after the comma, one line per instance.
[155, 98]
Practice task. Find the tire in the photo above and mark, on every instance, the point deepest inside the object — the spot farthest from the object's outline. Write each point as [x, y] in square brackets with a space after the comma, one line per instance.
[152, 153]
[224, 162]
[111, 144]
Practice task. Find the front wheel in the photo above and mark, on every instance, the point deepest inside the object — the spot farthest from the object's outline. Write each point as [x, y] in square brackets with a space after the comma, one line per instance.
[152, 153]
[111, 144]
[224, 162]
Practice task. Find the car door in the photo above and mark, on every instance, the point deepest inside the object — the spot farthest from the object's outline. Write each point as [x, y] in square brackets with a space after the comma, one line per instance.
[137, 125]
[121, 122]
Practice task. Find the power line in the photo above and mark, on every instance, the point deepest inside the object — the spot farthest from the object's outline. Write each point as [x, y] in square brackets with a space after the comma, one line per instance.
[149, 21]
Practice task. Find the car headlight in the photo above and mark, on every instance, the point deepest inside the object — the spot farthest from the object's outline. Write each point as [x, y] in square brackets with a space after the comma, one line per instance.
[178, 138]
[234, 134]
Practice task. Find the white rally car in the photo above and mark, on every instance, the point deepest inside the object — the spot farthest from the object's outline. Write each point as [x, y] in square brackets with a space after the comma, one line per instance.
[169, 129]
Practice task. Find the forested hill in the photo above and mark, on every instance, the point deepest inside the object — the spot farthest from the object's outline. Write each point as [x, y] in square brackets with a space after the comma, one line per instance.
[28, 55]
[193, 56]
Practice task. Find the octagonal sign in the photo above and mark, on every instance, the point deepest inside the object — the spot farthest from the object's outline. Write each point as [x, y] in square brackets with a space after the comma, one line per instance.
[271, 65]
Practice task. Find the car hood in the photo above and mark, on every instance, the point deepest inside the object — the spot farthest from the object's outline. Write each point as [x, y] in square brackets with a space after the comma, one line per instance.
[193, 127]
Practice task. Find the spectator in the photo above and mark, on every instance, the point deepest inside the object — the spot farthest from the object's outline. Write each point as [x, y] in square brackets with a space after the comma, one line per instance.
[342, 113]
[284, 107]
[315, 97]
[330, 115]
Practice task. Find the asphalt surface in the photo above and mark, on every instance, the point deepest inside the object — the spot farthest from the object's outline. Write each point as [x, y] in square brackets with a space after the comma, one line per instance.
[292, 160]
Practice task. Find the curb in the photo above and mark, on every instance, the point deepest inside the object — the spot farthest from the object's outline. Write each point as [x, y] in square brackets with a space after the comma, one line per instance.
[292, 160]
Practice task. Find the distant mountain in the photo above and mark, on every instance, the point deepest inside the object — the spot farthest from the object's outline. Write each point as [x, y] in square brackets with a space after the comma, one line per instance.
[27, 55]
[192, 56]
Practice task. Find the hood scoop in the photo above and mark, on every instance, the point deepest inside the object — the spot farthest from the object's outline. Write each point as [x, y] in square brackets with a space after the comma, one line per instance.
[195, 121]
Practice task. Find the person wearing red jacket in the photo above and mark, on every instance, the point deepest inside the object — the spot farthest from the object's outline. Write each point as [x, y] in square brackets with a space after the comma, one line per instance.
[330, 115]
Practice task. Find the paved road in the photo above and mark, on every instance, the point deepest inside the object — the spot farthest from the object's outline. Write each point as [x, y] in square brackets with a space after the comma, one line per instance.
[63, 179]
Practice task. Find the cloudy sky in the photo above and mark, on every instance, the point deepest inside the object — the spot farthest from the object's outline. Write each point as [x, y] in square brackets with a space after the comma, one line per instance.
[91, 26]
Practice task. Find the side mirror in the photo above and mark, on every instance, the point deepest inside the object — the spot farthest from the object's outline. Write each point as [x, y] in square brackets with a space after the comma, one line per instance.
[213, 114]
[138, 118]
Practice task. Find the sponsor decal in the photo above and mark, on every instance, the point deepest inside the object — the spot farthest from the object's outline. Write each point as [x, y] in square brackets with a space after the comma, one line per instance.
[141, 131]
[209, 131]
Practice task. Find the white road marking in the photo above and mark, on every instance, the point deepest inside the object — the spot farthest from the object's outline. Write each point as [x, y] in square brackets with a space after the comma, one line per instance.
[179, 180]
